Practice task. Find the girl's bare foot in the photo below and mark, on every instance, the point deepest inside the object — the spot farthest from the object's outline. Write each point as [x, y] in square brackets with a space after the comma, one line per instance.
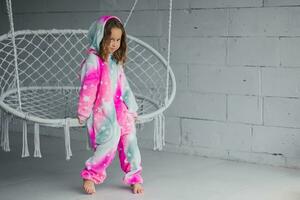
[89, 186]
[137, 188]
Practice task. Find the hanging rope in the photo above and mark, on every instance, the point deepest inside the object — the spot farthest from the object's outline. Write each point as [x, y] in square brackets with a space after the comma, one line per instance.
[159, 132]
[37, 150]
[159, 121]
[132, 8]
[67, 139]
[260, 98]
[88, 147]
[169, 50]
[5, 133]
[25, 152]
[2, 128]
[12, 30]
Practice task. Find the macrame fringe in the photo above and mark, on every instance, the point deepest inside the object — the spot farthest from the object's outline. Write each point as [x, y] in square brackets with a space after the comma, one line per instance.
[87, 140]
[37, 148]
[88, 146]
[25, 152]
[6, 147]
[2, 128]
[68, 140]
[159, 132]
[5, 132]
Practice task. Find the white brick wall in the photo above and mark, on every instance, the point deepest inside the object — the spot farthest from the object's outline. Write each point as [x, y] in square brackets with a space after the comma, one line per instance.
[282, 112]
[198, 50]
[236, 64]
[196, 105]
[212, 23]
[4, 27]
[289, 52]
[225, 3]
[236, 53]
[181, 71]
[253, 51]
[226, 80]
[245, 109]
[218, 135]
[264, 22]
[153, 27]
[211, 3]
[282, 82]
[284, 140]
[281, 2]
[79, 6]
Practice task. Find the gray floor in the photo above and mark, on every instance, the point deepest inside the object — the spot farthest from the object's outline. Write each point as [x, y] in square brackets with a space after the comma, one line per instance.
[167, 176]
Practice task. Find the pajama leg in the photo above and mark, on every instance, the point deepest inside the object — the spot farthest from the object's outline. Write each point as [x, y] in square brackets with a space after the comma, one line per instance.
[95, 166]
[129, 153]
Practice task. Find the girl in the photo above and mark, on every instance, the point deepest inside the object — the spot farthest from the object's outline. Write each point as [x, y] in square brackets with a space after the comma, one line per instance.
[108, 106]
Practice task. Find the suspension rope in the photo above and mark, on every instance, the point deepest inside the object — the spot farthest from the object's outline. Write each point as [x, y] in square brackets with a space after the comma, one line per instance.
[131, 11]
[169, 50]
[10, 15]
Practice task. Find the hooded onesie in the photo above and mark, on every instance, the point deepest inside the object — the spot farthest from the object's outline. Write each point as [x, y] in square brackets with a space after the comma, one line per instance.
[107, 104]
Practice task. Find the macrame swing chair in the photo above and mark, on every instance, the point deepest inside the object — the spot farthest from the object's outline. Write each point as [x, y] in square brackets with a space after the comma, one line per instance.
[39, 81]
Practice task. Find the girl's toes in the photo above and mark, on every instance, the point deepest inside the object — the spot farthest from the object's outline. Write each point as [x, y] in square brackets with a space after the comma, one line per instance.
[137, 189]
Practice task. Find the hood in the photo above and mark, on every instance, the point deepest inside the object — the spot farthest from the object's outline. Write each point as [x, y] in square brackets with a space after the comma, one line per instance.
[96, 31]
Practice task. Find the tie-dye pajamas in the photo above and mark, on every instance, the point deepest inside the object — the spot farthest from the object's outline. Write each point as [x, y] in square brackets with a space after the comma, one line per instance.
[108, 105]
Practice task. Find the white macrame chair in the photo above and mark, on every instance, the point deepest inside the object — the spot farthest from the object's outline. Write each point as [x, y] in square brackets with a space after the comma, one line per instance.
[39, 81]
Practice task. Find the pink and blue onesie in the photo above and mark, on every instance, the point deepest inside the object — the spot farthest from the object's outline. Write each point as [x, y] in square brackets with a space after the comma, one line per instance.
[109, 107]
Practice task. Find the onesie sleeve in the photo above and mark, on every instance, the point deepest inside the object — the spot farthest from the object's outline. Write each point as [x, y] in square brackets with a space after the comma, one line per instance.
[90, 78]
[128, 96]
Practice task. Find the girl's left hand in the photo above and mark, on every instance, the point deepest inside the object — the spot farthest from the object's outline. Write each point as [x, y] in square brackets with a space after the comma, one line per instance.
[135, 117]
[80, 121]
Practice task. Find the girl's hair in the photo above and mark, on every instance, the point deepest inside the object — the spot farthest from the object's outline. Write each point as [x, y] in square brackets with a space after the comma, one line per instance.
[119, 55]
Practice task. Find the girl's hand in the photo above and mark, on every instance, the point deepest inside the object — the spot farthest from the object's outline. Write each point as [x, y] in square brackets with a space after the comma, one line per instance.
[135, 117]
[80, 121]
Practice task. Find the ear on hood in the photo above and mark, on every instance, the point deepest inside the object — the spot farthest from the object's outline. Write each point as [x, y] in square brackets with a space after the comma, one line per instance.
[96, 31]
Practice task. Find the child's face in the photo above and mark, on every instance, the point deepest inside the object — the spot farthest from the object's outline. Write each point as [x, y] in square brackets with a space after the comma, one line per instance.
[115, 40]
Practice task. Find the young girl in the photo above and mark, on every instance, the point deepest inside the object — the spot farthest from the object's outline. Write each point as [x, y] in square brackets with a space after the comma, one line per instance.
[108, 106]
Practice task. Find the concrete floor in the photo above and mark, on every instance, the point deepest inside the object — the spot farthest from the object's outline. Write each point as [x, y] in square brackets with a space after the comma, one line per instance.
[167, 176]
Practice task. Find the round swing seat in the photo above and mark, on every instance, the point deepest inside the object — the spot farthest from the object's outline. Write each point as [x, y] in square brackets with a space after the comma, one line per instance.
[51, 106]
[48, 76]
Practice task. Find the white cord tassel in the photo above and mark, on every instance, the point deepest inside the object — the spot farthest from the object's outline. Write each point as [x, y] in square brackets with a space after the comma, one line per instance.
[5, 143]
[87, 140]
[88, 147]
[2, 128]
[37, 148]
[159, 132]
[25, 152]
[68, 140]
